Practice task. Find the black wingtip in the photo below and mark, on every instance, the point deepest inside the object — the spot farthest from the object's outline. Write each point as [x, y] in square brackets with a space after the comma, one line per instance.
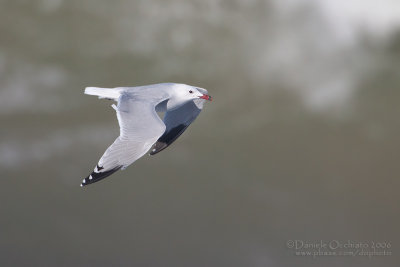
[168, 138]
[159, 146]
[97, 176]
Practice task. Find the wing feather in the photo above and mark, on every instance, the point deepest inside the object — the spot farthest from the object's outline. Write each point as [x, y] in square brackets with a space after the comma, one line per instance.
[140, 127]
[177, 121]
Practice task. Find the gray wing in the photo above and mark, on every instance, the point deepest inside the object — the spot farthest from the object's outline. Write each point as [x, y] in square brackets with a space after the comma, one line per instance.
[177, 121]
[140, 127]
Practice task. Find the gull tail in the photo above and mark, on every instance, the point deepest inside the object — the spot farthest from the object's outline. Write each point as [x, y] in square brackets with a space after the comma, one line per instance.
[108, 93]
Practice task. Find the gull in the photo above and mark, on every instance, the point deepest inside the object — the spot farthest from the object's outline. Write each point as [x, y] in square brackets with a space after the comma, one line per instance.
[140, 126]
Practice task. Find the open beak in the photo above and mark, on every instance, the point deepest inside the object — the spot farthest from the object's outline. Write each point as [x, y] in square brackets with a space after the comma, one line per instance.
[206, 97]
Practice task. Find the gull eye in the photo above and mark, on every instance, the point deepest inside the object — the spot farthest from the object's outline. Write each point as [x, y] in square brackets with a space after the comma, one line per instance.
[190, 91]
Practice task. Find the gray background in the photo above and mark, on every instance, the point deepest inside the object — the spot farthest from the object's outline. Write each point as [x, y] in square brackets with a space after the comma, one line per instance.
[301, 141]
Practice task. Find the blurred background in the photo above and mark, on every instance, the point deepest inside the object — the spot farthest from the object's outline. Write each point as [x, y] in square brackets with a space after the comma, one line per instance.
[300, 143]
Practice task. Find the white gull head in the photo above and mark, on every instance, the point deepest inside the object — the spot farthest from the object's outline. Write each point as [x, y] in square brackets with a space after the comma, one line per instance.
[182, 93]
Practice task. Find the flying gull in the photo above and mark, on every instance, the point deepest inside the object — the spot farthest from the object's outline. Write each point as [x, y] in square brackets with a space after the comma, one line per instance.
[140, 126]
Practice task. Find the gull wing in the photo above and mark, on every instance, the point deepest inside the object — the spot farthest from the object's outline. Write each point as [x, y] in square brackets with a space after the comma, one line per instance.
[140, 127]
[177, 121]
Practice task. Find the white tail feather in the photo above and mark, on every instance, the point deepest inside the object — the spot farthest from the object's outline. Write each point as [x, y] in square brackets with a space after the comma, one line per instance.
[111, 93]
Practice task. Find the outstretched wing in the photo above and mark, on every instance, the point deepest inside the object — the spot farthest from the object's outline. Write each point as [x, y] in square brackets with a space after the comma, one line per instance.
[177, 121]
[140, 127]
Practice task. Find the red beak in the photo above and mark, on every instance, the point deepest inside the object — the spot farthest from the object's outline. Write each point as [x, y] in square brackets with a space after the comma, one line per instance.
[206, 97]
